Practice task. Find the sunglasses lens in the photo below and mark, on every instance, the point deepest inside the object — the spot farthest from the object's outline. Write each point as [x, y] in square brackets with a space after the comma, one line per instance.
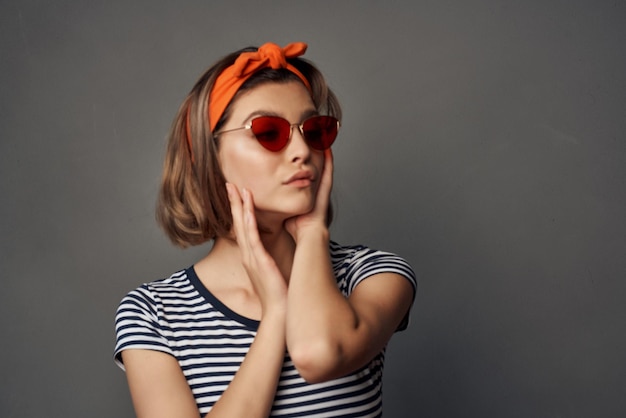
[271, 132]
[320, 131]
[274, 132]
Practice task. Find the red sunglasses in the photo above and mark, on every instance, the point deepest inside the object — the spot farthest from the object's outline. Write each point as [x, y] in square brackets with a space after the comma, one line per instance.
[274, 132]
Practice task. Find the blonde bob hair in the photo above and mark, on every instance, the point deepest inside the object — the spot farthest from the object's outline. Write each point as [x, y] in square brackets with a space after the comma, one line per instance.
[192, 206]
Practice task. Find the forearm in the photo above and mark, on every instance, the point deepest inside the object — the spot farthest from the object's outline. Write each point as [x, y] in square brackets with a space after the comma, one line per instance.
[252, 390]
[319, 317]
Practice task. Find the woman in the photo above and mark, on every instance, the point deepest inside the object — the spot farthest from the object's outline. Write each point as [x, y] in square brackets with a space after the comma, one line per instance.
[277, 320]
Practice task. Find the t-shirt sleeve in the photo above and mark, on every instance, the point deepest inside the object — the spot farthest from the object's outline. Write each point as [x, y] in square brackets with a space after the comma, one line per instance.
[137, 324]
[367, 262]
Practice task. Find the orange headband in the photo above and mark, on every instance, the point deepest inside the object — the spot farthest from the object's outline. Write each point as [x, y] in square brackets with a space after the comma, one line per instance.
[230, 80]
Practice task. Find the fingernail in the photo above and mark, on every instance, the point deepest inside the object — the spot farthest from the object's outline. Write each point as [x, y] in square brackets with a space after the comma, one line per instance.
[228, 189]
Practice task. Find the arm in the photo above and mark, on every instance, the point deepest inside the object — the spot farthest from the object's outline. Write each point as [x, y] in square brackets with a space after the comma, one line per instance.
[157, 384]
[328, 335]
[159, 388]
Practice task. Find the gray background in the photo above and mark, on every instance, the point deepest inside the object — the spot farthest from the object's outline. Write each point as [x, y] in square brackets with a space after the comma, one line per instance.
[484, 141]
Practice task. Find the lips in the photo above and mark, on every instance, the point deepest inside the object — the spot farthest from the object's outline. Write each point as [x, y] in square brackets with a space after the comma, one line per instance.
[302, 176]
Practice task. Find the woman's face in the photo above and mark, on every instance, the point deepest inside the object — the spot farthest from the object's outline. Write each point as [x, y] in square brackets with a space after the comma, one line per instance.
[277, 180]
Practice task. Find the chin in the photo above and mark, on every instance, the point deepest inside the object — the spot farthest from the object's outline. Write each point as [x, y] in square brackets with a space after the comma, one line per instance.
[297, 211]
[302, 208]
[285, 212]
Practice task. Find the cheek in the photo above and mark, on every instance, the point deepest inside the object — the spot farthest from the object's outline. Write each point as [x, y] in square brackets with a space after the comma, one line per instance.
[243, 169]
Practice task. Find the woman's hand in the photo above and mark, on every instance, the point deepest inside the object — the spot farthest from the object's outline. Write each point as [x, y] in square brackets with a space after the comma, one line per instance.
[316, 218]
[264, 274]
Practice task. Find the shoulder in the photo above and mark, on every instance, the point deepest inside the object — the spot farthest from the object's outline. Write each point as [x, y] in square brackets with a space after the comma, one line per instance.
[150, 295]
[359, 262]
[140, 321]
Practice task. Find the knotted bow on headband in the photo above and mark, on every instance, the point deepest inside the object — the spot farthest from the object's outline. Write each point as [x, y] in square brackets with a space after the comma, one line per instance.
[230, 80]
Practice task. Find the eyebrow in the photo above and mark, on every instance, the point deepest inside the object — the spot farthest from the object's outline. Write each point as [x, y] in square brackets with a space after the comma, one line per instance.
[304, 116]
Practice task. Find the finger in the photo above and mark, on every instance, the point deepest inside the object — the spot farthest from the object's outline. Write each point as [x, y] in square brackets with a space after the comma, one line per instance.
[236, 210]
[326, 181]
[329, 167]
[250, 226]
[248, 209]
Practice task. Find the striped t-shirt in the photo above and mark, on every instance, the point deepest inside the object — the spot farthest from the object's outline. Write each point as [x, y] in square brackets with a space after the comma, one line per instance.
[180, 317]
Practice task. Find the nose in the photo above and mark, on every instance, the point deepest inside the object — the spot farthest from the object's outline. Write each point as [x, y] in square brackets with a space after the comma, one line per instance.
[298, 147]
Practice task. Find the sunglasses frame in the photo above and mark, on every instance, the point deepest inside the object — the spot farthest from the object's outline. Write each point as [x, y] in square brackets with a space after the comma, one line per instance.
[300, 127]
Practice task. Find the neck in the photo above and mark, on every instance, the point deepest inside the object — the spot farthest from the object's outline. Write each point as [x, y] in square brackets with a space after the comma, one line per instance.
[278, 243]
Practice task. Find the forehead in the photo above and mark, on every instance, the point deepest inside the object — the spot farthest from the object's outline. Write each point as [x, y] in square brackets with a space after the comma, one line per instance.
[289, 100]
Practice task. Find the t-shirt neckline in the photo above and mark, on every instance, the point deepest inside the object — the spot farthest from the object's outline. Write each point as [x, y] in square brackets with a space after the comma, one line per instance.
[217, 304]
